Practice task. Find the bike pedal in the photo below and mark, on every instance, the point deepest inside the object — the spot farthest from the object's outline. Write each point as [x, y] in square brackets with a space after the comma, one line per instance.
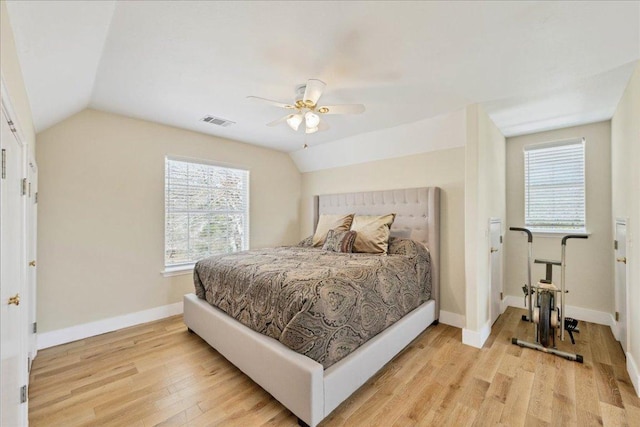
[570, 324]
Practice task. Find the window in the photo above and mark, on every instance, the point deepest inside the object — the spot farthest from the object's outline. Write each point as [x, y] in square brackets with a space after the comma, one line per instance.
[554, 189]
[206, 211]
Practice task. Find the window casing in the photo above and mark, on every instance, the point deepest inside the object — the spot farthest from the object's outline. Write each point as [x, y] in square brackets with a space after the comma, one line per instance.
[554, 186]
[206, 211]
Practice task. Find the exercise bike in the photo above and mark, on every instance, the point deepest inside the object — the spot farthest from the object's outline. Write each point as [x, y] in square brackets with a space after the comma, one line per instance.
[547, 317]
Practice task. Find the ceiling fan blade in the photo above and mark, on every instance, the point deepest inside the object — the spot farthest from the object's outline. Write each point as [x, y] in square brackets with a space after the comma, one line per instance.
[272, 102]
[280, 120]
[341, 109]
[313, 91]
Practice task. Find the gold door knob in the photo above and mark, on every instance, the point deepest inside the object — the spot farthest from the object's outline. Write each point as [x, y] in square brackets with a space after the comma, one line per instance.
[494, 250]
[622, 259]
[32, 263]
[15, 300]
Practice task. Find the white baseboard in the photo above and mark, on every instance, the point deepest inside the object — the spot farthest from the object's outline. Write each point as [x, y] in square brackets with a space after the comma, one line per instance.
[585, 314]
[476, 338]
[452, 319]
[78, 332]
[634, 373]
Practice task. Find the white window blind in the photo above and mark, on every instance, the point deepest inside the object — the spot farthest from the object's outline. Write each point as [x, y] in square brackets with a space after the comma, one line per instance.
[206, 211]
[554, 180]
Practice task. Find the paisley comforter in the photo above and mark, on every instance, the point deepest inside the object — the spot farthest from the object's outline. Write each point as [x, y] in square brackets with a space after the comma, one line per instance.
[320, 304]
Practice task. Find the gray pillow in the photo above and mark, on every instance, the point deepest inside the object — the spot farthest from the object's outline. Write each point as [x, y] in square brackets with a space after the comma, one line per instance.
[339, 241]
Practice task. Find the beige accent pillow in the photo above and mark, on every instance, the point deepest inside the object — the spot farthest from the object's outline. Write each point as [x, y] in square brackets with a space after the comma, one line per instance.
[329, 222]
[373, 233]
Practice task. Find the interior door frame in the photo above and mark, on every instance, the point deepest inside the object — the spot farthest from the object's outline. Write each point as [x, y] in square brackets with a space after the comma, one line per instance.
[618, 304]
[496, 220]
[31, 239]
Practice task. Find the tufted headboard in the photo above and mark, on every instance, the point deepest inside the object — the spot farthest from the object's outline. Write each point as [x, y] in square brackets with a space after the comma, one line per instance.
[417, 217]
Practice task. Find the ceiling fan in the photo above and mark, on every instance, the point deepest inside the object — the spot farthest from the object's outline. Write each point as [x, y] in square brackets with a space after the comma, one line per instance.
[306, 109]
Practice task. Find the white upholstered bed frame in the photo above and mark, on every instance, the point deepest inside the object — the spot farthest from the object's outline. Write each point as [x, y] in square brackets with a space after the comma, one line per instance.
[298, 382]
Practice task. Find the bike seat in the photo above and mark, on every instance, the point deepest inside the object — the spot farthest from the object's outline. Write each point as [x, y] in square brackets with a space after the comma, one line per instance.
[544, 284]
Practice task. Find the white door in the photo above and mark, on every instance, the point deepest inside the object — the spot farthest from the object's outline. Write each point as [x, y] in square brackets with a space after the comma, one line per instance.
[495, 231]
[32, 223]
[12, 319]
[621, 281]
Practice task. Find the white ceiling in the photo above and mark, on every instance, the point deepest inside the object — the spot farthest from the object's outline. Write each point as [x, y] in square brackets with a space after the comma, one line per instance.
[533, 65]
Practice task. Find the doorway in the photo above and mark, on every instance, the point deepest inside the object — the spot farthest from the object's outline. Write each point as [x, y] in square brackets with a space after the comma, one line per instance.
[495, 238]
[621, 281]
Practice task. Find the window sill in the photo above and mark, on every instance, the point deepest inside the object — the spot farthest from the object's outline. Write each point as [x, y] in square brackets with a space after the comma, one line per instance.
[557, 233]
[181, 270]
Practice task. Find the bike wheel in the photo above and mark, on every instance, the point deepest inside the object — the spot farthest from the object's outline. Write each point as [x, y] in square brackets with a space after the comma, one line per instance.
[544, 327]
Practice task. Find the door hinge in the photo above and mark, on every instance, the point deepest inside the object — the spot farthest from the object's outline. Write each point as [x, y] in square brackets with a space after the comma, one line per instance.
[501, 296]
[23, 394]
[615, 245]
[617, 316]
[29, 363]
[35, 327]
[4, 163]
[36, 197]
[29, 189]
[12, 126]
[24, 186]
[501, 238]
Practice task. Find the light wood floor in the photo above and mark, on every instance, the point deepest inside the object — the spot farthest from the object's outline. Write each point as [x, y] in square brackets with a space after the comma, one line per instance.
[159, 374]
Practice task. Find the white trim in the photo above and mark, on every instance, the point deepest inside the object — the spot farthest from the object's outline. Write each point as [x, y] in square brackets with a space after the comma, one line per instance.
[476, 338]
[585, 314]
[452, 319]
[180, 270]
[78, 332]
[634, 372]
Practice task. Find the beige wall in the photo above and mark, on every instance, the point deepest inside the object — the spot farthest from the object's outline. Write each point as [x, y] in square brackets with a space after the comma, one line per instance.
[101, 212]
[484, 199]
[625, 147]
[443, 168]
[12, 78]
[589, 274]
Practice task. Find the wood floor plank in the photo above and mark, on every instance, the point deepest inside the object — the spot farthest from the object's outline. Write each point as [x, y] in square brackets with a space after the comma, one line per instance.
[517, 402]
[158, 374]
[542, 398]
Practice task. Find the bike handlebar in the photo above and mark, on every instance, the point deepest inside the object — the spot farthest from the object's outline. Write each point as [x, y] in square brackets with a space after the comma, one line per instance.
[573, 236]
[529, 235]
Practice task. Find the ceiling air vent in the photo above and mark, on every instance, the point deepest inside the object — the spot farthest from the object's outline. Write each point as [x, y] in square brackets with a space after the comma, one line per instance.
[216, 121]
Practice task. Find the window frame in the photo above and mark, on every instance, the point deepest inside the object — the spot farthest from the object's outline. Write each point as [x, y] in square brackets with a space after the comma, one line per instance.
[555, 231]
[187, 268]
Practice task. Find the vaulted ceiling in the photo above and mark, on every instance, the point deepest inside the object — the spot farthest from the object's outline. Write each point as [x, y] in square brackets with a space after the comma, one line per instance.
[532, 65]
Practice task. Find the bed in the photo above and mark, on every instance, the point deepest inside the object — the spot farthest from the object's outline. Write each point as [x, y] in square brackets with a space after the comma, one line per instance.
[307, 388]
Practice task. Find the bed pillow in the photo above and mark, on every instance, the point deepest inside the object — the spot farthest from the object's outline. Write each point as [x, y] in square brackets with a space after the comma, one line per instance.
[330, 222]
[339, 241]
[373, 233]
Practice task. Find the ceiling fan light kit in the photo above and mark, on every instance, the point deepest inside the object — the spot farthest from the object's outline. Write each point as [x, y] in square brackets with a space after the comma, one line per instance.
[294, 121]
[307, 109]
[311, 120]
